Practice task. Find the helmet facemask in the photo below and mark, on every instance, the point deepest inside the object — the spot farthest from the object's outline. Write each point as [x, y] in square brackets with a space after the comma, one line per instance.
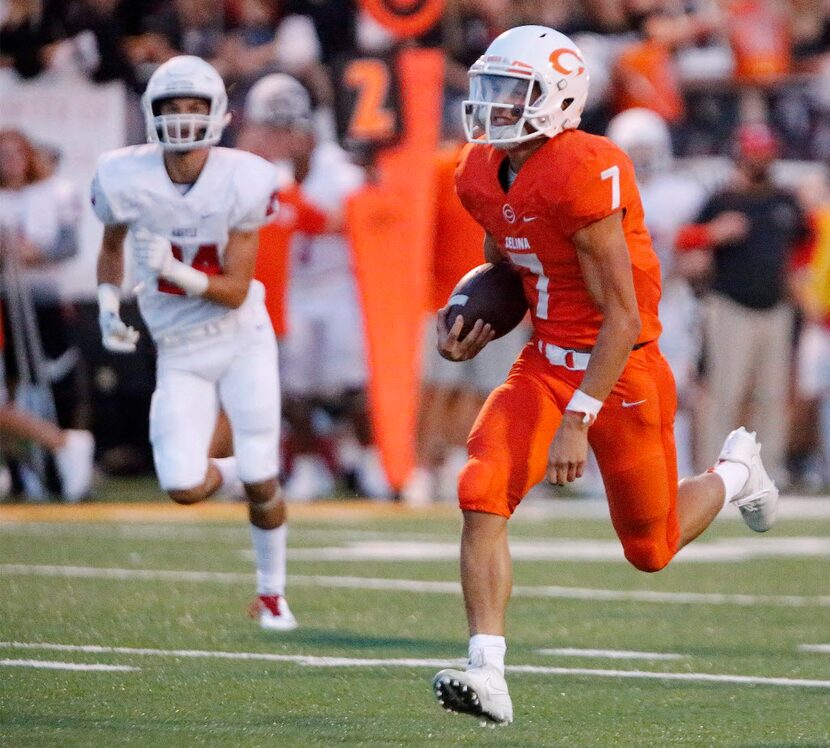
[186, 131]
[499, 108]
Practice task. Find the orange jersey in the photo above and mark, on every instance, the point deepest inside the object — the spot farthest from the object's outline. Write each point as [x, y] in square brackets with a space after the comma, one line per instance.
[458, 242]
[572, 181]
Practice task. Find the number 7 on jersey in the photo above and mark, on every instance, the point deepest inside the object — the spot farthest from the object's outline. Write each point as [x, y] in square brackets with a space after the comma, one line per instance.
[613, 173]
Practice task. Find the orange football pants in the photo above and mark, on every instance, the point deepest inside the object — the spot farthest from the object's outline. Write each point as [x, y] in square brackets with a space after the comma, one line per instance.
[632, 438]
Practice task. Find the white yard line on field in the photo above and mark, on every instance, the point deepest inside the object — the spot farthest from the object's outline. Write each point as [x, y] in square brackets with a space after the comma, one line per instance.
[411, 585]
[572, 550]
[313, 661]
[53, 665]
[307, 660]
[610, 654]
[818, 648]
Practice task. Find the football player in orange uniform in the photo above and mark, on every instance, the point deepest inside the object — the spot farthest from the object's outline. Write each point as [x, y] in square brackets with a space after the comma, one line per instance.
[562, 206]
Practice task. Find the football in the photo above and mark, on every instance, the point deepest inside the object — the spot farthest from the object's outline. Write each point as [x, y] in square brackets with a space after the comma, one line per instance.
[492, 293]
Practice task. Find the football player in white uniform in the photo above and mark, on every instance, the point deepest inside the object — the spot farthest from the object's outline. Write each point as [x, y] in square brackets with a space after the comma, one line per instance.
[323, 357]
[670, 199]
[190, 211]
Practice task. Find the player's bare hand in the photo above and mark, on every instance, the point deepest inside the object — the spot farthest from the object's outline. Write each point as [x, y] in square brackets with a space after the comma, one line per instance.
[727, 227]
[694, 264]
[568, 450]
[453, 349]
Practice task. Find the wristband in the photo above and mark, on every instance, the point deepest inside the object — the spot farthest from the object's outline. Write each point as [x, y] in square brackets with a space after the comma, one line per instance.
[583, 403]
[193, 282]
[109, 299]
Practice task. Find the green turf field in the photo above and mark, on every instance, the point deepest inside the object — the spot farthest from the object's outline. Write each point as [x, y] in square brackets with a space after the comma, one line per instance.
[713, 646]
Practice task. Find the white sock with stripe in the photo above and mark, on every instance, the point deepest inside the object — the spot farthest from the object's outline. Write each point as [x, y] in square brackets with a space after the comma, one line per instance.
[734, 476]
[487, 650]
[270, 558]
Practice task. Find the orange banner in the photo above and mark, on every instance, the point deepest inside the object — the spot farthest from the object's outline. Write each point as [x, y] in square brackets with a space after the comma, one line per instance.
[390, 225]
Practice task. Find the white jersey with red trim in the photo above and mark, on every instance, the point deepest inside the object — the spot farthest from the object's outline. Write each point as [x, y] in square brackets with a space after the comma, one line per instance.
[331, 180]
[235, 192]
[670, 200]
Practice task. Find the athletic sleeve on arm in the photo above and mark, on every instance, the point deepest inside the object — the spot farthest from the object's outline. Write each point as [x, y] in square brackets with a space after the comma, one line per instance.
[101, 203]
[601, 182]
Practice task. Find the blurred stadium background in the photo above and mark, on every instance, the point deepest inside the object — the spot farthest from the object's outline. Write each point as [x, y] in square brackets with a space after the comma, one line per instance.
[70, 77]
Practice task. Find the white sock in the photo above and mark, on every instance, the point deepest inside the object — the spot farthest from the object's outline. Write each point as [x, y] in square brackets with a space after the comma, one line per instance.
[734, 476]
[269, 554]
[227, 469]
[487, 649]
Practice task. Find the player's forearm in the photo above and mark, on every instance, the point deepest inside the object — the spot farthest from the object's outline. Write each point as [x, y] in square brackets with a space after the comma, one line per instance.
[111, 257]
[617, 336]
[110, 267]
[227, 291]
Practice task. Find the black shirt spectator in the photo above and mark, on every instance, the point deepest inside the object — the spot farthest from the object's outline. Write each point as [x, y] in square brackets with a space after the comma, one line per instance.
[752, 270]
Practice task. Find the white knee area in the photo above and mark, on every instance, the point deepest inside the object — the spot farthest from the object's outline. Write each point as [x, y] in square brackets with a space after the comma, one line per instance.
[256, 455]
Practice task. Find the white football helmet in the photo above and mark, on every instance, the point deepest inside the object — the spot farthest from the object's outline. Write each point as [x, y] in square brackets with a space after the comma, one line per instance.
[531, 81]
[191, 77]
[278, 100]
[645, 137]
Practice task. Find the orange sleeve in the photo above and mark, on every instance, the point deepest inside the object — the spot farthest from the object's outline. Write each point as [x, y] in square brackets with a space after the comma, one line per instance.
[272, 269]
[692, 236]
[602, 181]
[308, 219]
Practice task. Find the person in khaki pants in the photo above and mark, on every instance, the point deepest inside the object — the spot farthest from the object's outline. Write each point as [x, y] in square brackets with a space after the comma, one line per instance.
[744, 240]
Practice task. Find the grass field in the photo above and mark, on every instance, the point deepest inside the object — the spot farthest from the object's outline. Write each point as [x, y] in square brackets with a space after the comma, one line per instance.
[730, 646]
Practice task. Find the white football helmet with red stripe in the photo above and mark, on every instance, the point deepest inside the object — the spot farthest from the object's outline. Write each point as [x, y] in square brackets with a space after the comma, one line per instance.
[531, 81]
[185, 76]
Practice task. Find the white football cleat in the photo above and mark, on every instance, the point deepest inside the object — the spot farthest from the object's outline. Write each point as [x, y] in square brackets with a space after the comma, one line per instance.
[371, 477]
[481, 692]
[758, 499]
[310, 480]
[74, 463]
[273, 613]
[419, 489]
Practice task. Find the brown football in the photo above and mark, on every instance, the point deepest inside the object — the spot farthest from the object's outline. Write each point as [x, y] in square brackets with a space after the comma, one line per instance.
[492, 293]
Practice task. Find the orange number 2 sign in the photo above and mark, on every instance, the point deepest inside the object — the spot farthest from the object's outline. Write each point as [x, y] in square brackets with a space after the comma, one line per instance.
[372, 119]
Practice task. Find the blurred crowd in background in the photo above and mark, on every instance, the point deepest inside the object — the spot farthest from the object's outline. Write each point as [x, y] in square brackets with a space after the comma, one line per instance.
[730, 137]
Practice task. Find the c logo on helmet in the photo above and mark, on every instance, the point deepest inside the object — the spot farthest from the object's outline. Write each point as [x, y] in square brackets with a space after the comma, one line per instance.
[560, 68]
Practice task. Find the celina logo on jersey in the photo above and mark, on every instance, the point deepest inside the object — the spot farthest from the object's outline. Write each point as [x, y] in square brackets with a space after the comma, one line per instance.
[516, 242]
